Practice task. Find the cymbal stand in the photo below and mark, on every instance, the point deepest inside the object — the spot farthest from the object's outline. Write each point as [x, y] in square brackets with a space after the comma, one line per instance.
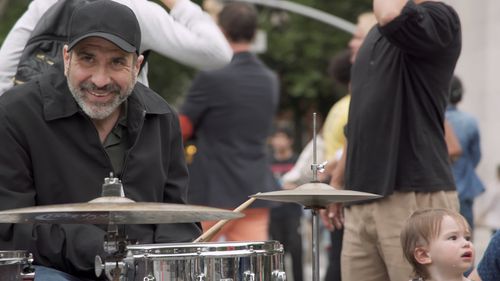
[115, 242]
[315, 167]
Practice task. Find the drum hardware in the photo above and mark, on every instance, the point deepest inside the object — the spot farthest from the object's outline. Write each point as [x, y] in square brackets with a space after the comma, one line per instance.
[113, 209]
[150, 271]
[116, 264]
[278, 276]
[315, 196]
[208, 261]
[28, 271]
[248, 276]
[112, 187]
[115, 251]
[149, 278]
[201, 277]
[115, 243]
[114, 271]
[16, 266]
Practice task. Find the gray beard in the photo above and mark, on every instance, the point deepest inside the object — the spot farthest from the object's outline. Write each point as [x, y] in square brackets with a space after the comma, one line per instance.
[99, 111]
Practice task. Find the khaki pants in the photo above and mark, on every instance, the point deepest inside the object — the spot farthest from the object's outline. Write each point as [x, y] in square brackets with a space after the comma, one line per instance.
[371, 250]
[252, 227]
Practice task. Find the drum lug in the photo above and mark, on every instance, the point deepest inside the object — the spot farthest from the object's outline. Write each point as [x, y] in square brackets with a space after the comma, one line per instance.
[201, 277]
[278, 276]
[112, 270]
[28, 272]
[98, 266]
[248, 276]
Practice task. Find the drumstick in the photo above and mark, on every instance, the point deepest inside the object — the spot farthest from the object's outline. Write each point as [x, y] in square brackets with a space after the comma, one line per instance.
[209, 234]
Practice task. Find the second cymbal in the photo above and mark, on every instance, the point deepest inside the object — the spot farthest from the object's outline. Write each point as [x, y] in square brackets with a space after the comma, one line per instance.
[315, 195]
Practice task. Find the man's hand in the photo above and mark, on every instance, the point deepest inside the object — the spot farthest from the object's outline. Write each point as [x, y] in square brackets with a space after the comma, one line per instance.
[288, 185]
[387, 10]
[169, 3]
[333, 216]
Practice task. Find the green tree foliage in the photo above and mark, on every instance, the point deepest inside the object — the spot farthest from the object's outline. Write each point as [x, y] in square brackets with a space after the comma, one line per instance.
[300, 49]
[10, 15]
[168, 78]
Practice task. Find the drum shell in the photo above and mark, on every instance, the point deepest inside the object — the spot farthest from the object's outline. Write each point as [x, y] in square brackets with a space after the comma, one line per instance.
[12, 265]
[227, 261]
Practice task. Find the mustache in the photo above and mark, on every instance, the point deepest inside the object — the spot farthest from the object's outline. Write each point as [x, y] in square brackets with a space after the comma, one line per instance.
[89, 86]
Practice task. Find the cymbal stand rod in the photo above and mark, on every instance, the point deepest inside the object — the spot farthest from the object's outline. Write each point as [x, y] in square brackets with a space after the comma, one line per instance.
[315, 243]
[314, 165]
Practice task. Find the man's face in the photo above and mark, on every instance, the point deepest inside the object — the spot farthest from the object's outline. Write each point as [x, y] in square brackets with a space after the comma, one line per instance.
[280, 141]
[100, 75]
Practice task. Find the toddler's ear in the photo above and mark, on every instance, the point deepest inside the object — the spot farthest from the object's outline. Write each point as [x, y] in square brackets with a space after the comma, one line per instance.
[422, 256]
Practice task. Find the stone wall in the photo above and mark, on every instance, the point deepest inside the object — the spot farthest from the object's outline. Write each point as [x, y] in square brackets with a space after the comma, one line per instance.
[478, 68]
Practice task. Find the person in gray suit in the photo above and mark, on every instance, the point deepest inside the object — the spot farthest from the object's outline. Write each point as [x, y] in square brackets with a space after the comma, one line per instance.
[229, 114]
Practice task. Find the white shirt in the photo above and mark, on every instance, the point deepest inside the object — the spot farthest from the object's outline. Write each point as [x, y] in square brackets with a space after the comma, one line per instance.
[301, 172]
[187, 35]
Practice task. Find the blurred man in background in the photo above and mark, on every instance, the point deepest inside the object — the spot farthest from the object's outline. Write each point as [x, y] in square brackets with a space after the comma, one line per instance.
[465, 127]
[229, 113]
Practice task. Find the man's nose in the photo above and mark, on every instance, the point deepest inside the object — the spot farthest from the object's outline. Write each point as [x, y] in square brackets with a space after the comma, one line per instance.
[101, 77]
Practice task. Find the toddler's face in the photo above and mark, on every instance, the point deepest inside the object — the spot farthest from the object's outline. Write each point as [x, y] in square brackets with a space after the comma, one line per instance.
[452, 249]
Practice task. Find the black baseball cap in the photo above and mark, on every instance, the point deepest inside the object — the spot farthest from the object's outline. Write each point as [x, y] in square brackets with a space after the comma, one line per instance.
[106, 19]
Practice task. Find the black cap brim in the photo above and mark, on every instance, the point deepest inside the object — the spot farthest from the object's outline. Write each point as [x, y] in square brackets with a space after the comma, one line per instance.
[122, 44]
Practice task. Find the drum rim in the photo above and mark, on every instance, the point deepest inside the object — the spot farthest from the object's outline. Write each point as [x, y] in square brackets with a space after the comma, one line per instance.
[13, 257]
[219, 249]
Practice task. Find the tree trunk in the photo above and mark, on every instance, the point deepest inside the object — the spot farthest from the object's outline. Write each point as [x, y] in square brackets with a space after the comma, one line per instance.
[3, 7]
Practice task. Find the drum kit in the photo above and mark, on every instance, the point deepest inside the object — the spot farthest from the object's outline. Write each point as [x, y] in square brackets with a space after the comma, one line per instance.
[200, 261]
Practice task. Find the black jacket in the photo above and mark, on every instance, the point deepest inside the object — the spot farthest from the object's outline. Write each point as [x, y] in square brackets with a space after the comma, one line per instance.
[232, 110]
[51, 154]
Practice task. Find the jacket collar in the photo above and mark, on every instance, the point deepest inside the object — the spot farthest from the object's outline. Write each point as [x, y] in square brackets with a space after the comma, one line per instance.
[58, 102]
[243, 56]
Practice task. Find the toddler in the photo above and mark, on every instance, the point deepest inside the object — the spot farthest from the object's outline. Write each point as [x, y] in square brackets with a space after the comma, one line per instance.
[437, 243]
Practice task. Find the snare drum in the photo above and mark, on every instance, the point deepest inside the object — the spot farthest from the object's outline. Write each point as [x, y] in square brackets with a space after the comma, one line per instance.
[230, 261]
[13, 265]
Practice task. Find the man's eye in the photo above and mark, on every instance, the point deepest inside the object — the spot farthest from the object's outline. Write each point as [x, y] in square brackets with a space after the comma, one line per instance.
[119, 62]
[86, 58]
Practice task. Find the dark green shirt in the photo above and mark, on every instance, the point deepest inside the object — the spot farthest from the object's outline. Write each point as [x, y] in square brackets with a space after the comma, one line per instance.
[116, 143]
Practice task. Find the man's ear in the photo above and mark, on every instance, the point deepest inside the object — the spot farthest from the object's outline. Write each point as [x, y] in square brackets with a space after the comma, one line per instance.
[137, 66]
[422, 256]
[66, 59]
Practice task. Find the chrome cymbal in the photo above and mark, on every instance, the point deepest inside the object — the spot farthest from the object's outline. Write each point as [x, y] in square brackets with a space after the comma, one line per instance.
[315, 195]
[115, 210]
